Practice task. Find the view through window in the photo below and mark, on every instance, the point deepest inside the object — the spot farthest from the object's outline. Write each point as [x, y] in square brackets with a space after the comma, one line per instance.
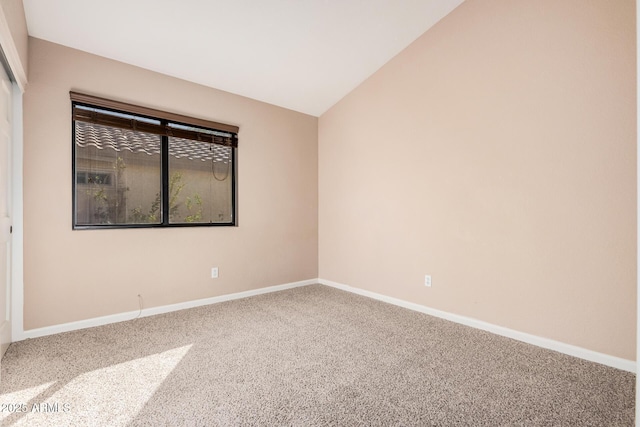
[134, 170]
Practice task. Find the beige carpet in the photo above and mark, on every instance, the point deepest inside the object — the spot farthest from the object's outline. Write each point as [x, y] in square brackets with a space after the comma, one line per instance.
[308, 356]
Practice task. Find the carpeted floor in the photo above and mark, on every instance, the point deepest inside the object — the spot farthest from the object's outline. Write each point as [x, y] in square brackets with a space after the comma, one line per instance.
[305, 357]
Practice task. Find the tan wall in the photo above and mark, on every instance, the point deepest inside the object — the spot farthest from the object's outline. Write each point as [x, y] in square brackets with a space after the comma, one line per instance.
[14, 13]
[73, 275]
[496, 153]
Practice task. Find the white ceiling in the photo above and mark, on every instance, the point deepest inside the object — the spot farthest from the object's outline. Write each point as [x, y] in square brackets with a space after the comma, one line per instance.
[304, 55]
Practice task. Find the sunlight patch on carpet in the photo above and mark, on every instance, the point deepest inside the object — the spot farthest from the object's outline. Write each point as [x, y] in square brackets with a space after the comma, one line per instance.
[110, 396]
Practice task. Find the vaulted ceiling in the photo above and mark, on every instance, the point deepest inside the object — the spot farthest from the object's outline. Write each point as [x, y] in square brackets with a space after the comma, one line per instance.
[304, 55]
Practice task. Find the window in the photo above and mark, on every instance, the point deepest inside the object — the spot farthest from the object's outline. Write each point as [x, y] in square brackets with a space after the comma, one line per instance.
[138, 167]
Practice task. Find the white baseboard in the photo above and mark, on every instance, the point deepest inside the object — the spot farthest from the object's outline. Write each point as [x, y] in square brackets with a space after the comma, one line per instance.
[582, 353]
[130, 315]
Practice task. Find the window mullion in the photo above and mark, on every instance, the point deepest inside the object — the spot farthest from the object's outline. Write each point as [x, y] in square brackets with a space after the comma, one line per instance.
[165, 177]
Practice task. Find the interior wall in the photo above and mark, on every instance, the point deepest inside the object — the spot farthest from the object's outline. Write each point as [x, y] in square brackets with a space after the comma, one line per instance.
[75, 275]
[497, 154]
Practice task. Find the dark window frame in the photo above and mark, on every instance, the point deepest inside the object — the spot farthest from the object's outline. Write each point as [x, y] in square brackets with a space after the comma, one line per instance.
[165, 118]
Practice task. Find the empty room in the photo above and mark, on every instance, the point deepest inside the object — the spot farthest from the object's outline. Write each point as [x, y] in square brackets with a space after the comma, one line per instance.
[318, 212]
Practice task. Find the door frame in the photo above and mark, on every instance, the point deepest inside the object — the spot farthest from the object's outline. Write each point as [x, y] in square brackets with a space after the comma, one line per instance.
[17, 252]
[16, 70]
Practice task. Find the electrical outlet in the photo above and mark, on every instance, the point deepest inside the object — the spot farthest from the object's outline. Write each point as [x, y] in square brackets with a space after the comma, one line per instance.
[427, 280]
[214, 272]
